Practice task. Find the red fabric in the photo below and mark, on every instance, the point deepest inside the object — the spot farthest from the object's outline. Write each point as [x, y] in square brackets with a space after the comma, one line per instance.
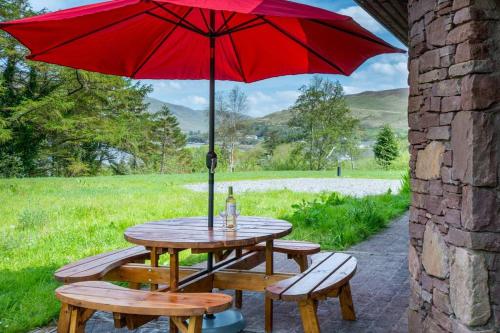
[130, 38]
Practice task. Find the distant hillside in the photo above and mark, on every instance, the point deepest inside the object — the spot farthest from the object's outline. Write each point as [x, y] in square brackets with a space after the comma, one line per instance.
[372, 108]
[376, 108]
[189, 119]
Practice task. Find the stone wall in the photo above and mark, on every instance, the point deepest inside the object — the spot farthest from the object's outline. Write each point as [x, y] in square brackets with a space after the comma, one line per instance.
[454, 120]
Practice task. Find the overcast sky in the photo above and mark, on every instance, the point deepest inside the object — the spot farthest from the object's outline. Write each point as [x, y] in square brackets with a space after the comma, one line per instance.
[379, 73]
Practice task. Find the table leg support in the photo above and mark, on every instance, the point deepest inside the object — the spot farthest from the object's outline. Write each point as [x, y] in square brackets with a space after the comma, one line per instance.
[268, 301]
[155, 257]
[174, 280]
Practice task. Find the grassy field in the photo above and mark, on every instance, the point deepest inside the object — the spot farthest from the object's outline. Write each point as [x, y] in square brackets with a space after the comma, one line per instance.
[48, 222]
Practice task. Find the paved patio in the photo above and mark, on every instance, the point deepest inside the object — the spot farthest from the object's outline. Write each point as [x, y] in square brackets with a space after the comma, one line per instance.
[380, 291]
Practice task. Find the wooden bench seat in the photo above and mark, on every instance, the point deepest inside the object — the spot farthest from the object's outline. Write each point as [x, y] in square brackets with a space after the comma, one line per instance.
[296, 250]
[96, 267]
[328, 276]
[80, 300]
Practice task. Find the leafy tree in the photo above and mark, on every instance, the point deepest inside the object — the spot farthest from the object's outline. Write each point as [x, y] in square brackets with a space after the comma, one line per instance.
[386, 148]
[324, 120]
[272, 141]
[231, 129]
[349, 147]
[167, 136]
[58, 121]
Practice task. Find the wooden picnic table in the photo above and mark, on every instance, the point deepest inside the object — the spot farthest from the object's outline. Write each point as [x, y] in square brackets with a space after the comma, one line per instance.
[174, 235]
[253, 244]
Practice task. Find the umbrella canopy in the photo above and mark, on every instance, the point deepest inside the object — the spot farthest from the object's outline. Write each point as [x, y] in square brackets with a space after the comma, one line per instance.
[167, 39]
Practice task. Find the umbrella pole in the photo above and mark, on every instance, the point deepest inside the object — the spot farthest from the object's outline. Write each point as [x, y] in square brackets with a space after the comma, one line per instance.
[211, 156]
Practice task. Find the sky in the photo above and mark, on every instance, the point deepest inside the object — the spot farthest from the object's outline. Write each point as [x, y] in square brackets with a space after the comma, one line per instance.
[267, 96]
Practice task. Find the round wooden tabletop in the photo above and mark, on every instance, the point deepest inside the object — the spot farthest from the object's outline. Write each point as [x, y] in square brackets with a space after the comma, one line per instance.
[193, 233]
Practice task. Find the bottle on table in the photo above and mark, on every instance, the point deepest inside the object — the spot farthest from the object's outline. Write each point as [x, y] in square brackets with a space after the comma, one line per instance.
[230, 210]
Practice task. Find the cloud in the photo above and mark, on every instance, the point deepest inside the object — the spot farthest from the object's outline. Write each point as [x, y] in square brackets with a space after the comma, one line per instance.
[164, 85]
[199, 101]
[53, 5]
[289, 95]
[391, 69]
[261, 103]
[383, 72]
[258, 97]
[363, 18]
[349, 90]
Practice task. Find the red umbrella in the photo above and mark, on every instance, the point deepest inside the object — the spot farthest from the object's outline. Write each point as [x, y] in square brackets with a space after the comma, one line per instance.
[239, 40]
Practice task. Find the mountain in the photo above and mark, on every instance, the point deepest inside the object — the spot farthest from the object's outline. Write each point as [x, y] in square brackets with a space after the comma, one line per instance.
[372, 108]
[376, 108]
[189, 119]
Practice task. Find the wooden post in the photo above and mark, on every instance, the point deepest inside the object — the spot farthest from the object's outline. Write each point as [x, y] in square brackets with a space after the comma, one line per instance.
[308, 313]
[174, 279]
[174, 269]
[78, 318]
[64, 318]
[346, 304]
[155, 256]
[301, 260]
[195, 323]
[268, 301]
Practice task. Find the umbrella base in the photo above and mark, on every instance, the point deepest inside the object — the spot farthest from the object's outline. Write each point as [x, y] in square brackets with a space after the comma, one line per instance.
[229, 321]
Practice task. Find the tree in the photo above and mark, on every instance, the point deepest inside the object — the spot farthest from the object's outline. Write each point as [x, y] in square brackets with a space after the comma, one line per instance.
[324, 119]
[56, 121]
[271, 141]
[386, 148]
[167, 136]
[230, 108]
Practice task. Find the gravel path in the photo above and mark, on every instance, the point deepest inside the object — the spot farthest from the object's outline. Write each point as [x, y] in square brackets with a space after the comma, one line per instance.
[347, 186]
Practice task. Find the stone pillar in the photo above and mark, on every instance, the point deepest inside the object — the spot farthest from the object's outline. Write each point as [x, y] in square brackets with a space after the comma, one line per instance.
[454, 120]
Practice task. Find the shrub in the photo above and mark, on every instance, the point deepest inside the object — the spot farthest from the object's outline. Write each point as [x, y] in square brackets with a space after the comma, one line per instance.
[337, 222]
[31, 218]
[405, 183]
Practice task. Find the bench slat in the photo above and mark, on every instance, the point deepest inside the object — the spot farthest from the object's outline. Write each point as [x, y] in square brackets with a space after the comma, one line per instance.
[94, 268]
[329, 272]
[104, 296]
[274, 291]
[337, 279]
[315, 277]
[291, 247]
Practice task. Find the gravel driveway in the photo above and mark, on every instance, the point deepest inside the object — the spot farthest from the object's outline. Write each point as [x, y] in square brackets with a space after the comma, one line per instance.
[347, 186]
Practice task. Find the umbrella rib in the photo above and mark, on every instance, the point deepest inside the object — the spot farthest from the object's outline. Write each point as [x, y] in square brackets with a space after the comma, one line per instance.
[205, 20]
[177, 23]
[150, 55]
[236, 53]
[226, 21]
[242, 26]
[296, 40]
[183, 19]
[352, 33]
[71, 40]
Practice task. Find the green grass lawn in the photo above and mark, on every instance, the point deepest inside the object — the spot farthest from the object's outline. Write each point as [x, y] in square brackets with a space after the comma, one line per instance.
[49, 222]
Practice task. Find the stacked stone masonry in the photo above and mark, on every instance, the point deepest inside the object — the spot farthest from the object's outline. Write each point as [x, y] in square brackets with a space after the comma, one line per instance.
[454, 121]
